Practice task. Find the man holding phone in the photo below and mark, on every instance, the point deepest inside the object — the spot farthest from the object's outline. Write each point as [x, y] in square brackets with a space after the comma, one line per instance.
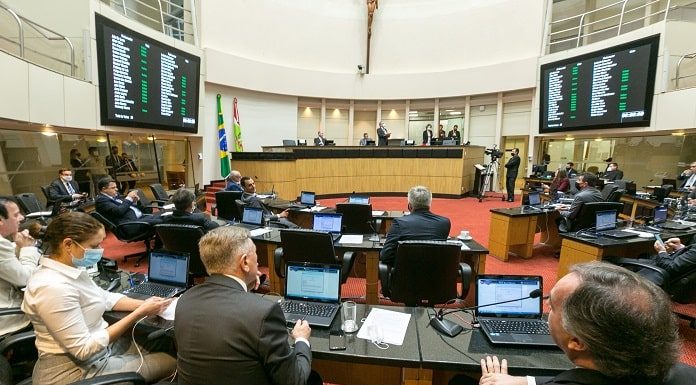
[672, 256]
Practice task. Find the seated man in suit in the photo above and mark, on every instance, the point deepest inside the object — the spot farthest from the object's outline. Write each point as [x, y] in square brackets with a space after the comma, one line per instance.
[613, 172]
[320, 140]
[570, 170]
[420, 224]
[365, 139]
[233, 181]
[223, 332]
[184, 207]
[646, 351]
[688, 178]
[587, 192]
[251, 198]
[674, 257]
[118, 209]
[64, 188]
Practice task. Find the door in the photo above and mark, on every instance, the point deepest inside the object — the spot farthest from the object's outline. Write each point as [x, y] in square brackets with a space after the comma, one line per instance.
[509, 143]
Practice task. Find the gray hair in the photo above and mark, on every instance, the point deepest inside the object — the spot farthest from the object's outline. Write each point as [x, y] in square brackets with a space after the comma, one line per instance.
[625, 320]
[182, 199]
[221, 248]
[419, 197]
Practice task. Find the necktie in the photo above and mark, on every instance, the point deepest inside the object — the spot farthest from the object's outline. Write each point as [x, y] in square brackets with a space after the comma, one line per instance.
[70, 189]
[691, 181]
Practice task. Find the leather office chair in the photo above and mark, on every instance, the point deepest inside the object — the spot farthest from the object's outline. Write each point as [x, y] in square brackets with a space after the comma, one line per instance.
[239, 206]
[587, 216]
[128, 232]
[184, 238]
[300, 245]
[357, 218]
[616, 195]
[608, 189]
[225, 205]
[49, 201]
[146, 204]
[19, 350]
[32, 208]
[412, 278]
[159, 192]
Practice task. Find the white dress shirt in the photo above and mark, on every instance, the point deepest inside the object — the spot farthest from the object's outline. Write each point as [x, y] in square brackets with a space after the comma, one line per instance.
[66, 308]
[14, 274]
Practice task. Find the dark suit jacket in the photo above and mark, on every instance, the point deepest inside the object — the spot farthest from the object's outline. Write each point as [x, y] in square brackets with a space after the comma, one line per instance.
[454, 134]
[382, 136]
[187, 218]
[231, 186]
[675, 264]
[679, 374]
[113, 211]
[512, 165]
[683, 178]
[225, 335]
[319, 141]
[419, 225]
[427, 135]
[57, 190]
[589, 194]
[613, 175]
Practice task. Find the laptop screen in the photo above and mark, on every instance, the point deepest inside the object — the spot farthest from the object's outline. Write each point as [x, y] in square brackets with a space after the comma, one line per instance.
[252, 216]
[168, 267]
[534, 199]
[359, 199]
[498, 288]
[659, 214]
[313, 282]
[606, 220]
[307, 198]
[327, 222]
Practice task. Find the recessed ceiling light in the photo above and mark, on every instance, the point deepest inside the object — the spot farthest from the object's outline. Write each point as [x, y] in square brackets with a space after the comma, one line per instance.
[455, 113]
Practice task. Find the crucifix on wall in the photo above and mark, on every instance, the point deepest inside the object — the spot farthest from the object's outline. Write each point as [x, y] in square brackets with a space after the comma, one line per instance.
[372, 5]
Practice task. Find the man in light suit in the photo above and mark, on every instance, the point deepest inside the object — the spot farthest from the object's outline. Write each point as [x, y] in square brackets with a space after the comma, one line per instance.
[184, 206]
[118, 209]
[420, 224]
[64, 188]
[382, 134]
[225, 334]
[585, 184]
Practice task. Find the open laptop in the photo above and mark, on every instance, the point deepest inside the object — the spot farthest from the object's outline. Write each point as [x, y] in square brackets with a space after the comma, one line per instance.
[252, 218]
[660, 220]
[167, 275]
[534, 198]
[312, 293]
[605, 225]
[308, 198]
[359, 199]
[513, 323]
[328, 222]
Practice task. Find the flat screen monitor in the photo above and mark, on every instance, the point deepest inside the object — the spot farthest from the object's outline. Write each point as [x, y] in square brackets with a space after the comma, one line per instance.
[143, 82]
[369, 142]
[609, 88]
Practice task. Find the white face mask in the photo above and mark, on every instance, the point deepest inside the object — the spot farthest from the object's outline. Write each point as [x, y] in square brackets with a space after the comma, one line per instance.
[67, 178]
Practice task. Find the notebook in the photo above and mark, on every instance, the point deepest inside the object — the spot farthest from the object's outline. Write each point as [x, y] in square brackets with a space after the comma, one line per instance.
[513, 323]
[534, 198]
[312, 293]
[660, 219]
[605, 225]
[359, 199]
[252, 218]
[328, 222]
[167, 273]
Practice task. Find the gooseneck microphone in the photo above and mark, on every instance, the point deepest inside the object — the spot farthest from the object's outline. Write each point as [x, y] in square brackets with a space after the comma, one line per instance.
[158, 333]
[451, 329]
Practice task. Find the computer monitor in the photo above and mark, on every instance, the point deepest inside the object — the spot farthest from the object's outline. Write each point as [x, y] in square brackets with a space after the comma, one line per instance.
[359, 199]
[329, 142]
[660, 214]
[449, 142]
[307, 198]
[670, 181]
[288, 142]
[301, 142]
[435, 142]
[538, 169]
[369, 142]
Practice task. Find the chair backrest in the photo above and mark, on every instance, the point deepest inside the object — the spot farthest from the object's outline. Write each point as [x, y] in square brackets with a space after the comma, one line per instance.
[28, 202]
[616, 195]
[417, 263]
[668, 189]
[44, 190]
[239, 207]
[224, 202]
[307, 246]
[357, 218]
[682, 287]
[608, 189]
[660, 194]
[159, 192]
[102, 219]
[144, 201]
[587, 217]
[183, 238]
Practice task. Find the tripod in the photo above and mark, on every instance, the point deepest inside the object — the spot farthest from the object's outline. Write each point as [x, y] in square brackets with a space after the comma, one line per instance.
[487, 182]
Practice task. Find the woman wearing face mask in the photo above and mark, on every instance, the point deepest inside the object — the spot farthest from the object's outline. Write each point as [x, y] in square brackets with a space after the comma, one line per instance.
[66, 308]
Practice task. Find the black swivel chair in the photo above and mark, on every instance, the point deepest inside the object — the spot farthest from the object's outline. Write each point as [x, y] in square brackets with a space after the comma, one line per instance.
[608, 189]
[299, 245]
[616, 195]
[225, 206]
[32, 208]
[159, 192]
[239, 206]
[146, 205]
[411, 279]
[184, 238]
[49, 201]
[19, 350]
[135, 231]
[357, 218]
[587, 216]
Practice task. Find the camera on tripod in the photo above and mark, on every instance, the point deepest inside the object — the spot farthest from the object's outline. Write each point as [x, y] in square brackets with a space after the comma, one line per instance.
[495, 153]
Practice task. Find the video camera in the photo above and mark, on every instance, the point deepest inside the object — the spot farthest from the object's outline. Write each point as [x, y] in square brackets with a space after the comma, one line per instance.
[495, 153]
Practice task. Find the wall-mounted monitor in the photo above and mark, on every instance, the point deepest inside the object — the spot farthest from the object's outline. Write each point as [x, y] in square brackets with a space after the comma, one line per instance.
[610, 88]
[143, 82]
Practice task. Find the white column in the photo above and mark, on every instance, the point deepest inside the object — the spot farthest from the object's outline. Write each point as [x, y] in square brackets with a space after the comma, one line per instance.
[436, 117]
[498, 135]
[467, 119]
[407, 109]
[351, 112]
[322, 122]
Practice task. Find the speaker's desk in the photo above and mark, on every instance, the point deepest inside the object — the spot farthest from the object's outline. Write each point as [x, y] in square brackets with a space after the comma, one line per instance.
[512, 231]
[368, 250]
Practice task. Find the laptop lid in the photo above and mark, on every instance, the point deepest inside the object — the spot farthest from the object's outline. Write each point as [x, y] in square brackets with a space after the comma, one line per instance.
[168, 268]
[307, 198]
[359, 199]
[605, 220]
[313, 282]
[534, 198]
[660, 214]
[328, 222]
[252, 216]
[630, 188]
[498, 288]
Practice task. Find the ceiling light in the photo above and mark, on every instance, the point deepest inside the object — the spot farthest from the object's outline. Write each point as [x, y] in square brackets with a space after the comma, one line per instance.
[48, 133]
[455, 113]
[569, 138]
[598, 139]
[678, 133]
[101, 140]
[413, 112]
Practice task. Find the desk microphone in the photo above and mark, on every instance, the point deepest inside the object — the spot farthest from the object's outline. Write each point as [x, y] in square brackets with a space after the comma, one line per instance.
[158, 333]
[451, 329]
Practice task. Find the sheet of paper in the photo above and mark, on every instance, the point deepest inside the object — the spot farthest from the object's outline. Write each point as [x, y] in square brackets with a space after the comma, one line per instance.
[261, 231]
[377, 213]
[461, 244]
[317, 208]
[262, 196]
[355, 239]
[393, 325]
[168, 207]
[168, 313]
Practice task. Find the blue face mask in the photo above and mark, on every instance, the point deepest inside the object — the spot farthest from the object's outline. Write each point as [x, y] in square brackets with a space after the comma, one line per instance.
[90, 257]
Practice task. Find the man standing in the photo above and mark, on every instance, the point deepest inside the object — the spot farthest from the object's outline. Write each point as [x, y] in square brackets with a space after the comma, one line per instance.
[64, 188]
[688, 178]
[224, 333]
[18, 259]
[427, 134]
[420, 224]
[382, 134]
[588, 308]
[441, 133]
[455, 134]
[233, 181]
[613, 172]
[116, 164]
[512, 165]
[184, 207]
[251, 198]
[587, 192]
[570, 170]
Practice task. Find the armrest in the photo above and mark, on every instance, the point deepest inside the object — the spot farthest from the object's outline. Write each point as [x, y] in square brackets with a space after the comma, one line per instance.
[15, 339]
[11, 311]
[624, 262]
[116, 378]
[465, 273]
[159, 201]
[141, 229]
[347, 264]
[384, 275]
[278, 260]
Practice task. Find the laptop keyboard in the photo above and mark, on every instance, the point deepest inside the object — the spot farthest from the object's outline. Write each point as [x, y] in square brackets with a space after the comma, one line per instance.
[516, 327]
[303, 308]
[153, 289]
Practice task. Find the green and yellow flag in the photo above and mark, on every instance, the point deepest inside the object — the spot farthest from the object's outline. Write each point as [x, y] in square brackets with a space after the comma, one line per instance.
[238, 146]
[222, 141]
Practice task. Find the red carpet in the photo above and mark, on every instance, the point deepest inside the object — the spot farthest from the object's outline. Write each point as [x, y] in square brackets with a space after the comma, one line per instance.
[465, 214]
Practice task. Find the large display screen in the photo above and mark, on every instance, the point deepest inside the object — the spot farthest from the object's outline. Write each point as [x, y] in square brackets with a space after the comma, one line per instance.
[144, 83]
[610, 88]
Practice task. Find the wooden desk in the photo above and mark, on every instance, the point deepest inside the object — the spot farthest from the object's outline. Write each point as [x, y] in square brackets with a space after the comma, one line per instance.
[512, 231]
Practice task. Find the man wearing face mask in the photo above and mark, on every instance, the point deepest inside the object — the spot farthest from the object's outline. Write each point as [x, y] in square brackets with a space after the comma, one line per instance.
[613, 172]
[587, 192]
[244, 335]
[64, 189]
[184, 207]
